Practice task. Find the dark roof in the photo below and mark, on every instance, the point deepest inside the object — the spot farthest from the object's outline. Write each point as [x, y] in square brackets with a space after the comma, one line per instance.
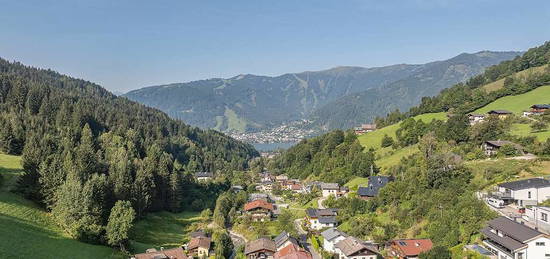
[375, 183]
[352, 246]
[499, 112]
[514, 230]
[541, 106]
[260, 244]
[315, 213]
[332, 233]
[526, 184]
[500, 143]
[174, 253]
[204, 174]
[327, 219]
[283, 238]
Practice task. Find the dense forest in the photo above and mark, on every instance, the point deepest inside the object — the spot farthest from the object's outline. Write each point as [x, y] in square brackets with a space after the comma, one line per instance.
[334, 157]
[84, 149]
[467, 97]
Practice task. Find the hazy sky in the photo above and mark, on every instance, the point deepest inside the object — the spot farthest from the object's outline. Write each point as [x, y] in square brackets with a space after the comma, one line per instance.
[125, 45]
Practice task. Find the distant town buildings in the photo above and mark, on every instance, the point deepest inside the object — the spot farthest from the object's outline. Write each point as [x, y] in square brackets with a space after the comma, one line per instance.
[365, 128]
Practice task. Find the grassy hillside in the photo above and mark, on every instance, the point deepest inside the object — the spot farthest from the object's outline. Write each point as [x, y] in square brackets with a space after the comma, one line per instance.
[524, 130]
[518, 103]
[497, 85]
[27, 231]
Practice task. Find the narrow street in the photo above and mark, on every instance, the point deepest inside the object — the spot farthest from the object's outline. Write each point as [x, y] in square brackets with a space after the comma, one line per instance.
[238, 240]
[308, 246]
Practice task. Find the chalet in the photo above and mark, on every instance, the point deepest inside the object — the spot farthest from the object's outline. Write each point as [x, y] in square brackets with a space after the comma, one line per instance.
[334, 189]
[409, 248]
[365, 128]
[491, 147]
[199, 246]
[259, 210]
[511, 240]
[204, 176]
[526, 192]
[332, 236]
[354, 248]
[284, 239]
[318, 219]
[501, 114]
[539, 108]
[260, 248]
[292, 251]
[375, 184]
[475, 118]
[152, 253]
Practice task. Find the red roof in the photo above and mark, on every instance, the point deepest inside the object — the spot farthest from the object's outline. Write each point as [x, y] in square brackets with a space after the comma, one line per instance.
[197, 242]
[292, 251]
[413, 247]
[258, 204]
[174, 253]
[296, 187]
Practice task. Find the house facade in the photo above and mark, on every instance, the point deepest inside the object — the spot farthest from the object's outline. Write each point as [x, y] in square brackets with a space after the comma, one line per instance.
[526, 192]
[539, 216]
[204, 176]
[511, 240]
[334, 189]
[199, 246]
[259, 210]
[492, 147]
[332, 236]
[318, 219]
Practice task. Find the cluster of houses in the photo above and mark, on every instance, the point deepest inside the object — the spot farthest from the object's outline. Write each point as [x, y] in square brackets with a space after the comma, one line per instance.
[364, 128]
[536, 109]
[284, 246]
[268, 182]
[198, 247]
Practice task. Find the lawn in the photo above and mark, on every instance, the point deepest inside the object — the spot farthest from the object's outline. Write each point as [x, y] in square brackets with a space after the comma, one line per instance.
[520, 75]
[27, 231]
[518, 103]
[357, 182]
[392, 158]
[524, 130]
[163, 229]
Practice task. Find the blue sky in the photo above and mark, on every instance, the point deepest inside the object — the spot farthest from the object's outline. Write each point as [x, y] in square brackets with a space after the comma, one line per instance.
[124, 44]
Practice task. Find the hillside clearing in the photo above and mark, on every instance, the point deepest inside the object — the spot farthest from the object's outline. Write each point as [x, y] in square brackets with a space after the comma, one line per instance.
[497, 85]
[29, 232]
[518, 103]
[524, 130]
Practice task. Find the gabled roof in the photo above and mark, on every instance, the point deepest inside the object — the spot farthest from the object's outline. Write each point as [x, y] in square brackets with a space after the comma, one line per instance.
[258, 204]
[499, 112]
[203, 242]
[204, 174]
[282, 238]
[260, 244]
[352, 246]
[375, 184]
[413, 247]
[476, 115]
[526, 184]
[500, 143]
[333, 233]
[330, 186]
[517, 231]
[315, 213]
[540, 106]
[174, 253]
[292, 251]
[327, 220]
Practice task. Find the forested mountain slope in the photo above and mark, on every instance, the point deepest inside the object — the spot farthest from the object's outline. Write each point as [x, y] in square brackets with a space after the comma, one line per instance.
[249, 102]
[83, 149]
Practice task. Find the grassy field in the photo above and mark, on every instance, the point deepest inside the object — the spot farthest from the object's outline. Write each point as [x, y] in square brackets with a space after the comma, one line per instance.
[357, 182]
[520, 75]
[518, 103]
[27, 231]
[523, 130]
[393, 157]
[163, 229]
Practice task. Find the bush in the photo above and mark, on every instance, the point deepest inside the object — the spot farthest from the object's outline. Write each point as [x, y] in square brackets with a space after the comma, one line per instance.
[387, 141]
[438, 252]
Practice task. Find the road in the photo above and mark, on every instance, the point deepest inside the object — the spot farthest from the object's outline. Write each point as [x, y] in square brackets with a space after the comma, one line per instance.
[320, 202]
[238, 240]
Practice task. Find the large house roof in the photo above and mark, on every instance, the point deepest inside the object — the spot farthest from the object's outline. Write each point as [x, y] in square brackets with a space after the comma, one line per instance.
[413, 247]
[526, 184]
[540, 106]
[499, 112]
[282, 238]
[260, 244]
[517, 231]
[292, 251]
[315, 213]
[375, 184]
[197, 242]
[505, 241]
[330, 186]
[352, 245]
[174, 253]
[332, 233]
[258, 204]
[327, 220]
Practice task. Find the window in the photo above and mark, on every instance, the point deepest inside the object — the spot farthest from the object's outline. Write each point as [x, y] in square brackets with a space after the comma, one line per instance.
[544, 217]
[529, 195]
[520, 255]
[540, 244]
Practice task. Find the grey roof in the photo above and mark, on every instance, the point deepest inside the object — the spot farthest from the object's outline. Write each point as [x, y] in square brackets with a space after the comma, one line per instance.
[330, 186]
[499, 112]
[500, 143]
[282, 238]
[314, 213]
[260, 244]
[332, 233]
[352, 245]
[204, 174]
[517, 231]
[505, 241]
[541, 106]
[327, 220]
[375, 184]
[526, 184]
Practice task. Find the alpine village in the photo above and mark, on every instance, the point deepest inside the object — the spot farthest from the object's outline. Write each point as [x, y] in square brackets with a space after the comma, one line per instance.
[462, 173]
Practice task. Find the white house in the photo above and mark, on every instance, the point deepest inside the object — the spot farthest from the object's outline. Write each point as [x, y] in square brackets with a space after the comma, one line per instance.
[475, 118]
[354, 248]
[528, 191]
[540, 217]
[332, 236]
[334, 189]
[204, 176]
[318, 219]
[511, 240]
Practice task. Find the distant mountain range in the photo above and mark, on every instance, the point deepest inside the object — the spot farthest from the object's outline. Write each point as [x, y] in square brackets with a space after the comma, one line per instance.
[341, 97]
